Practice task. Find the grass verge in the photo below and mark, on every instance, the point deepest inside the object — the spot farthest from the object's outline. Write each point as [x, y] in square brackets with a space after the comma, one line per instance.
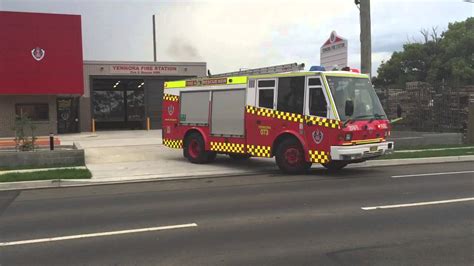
[427, 153]
[47, 175]
[26, 167]
[433, 146]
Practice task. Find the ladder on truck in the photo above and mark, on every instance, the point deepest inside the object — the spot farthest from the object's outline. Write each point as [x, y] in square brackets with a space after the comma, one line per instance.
[261, 71]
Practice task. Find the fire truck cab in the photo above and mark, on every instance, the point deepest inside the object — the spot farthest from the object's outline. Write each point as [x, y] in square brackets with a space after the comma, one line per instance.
[329, 117]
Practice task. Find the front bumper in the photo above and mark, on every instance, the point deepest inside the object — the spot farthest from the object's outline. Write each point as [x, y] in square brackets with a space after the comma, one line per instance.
[361, 152]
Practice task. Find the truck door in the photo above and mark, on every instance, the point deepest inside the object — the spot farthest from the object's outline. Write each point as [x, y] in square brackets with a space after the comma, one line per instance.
[318, 128]
[259, 119]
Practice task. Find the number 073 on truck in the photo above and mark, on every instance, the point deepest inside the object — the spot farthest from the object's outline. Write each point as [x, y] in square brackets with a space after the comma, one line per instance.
[333, 118]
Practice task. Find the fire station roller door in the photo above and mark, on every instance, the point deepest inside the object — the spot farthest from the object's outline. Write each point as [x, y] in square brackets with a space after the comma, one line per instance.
[194, 107]
[228, 111]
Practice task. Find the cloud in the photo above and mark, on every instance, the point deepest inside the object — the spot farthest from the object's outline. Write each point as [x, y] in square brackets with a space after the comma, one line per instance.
[247, 34]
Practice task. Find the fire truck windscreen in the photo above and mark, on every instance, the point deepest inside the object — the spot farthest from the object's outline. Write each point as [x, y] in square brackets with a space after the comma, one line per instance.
[361, 93]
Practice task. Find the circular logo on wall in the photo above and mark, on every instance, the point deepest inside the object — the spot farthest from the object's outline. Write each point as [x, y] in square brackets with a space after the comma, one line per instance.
[170, 110]
[332, 37]
[318, 136]
[65, 116]
[38, 53]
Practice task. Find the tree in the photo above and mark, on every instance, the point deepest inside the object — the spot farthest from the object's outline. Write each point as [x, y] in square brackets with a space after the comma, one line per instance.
[25, 137]
[457, 60]
[447, 57]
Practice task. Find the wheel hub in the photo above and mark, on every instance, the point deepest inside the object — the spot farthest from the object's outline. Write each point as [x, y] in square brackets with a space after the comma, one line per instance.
[293, 156]
[193, 148]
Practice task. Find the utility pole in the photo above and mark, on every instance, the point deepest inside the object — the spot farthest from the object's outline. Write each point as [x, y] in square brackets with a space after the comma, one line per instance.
[154, 40]
[365, 37]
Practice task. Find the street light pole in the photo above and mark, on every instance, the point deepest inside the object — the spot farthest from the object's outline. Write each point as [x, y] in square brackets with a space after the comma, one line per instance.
[365, 37]
[154, 40]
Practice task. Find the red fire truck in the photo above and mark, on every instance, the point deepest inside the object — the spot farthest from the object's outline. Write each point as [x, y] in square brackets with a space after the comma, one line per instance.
[329, 117]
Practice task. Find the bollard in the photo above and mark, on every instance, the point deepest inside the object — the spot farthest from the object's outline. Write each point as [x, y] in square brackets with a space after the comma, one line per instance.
[51, 141]
[147, 123]
[93, 125]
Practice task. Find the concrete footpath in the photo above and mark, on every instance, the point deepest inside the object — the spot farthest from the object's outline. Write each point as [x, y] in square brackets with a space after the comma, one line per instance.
[135, 156]
[119, 155]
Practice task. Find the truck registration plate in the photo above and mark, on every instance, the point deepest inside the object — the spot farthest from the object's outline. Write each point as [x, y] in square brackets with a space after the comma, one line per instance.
[373, 148]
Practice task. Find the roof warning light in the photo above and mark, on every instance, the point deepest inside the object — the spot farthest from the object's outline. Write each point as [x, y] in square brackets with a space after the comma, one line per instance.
[317, 68]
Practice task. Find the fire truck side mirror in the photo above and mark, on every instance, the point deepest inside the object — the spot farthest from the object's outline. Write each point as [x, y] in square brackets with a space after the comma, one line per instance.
[349, 107]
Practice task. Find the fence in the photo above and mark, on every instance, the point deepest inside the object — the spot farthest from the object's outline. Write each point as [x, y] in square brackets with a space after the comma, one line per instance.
[427, 107]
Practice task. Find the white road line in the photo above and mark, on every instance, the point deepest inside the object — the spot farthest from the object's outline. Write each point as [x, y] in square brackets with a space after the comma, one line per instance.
[416, 204]
[131, 231]
[430, 174]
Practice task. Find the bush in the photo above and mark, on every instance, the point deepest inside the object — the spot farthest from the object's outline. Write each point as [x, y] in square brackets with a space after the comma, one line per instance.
[25, 139]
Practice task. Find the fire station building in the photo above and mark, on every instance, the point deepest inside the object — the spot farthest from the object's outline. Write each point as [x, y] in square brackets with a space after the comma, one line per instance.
[43, 76]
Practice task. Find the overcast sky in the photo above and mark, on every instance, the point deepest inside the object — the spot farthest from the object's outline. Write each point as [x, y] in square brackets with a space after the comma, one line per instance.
[231, 34]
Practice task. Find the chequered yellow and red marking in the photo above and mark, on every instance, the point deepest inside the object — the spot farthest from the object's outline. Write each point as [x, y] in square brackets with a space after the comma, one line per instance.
[293, 117]
[173, 143]
[259, 151]
[318, 156]
[170, 97]
[324, 122]
[265, 112]
[227, 147]
[289, 116]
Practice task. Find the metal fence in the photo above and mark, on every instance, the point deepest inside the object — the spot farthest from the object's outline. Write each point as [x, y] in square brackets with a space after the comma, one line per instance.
[428, 107]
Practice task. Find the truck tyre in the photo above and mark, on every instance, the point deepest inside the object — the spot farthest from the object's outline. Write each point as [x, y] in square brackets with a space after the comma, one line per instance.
[335, 165]
[289, 157]
[211, 156]
[239, 157]
[194, 149]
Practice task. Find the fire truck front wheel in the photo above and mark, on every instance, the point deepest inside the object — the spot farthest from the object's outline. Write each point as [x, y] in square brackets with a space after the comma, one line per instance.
[289, 157]
[194, 149]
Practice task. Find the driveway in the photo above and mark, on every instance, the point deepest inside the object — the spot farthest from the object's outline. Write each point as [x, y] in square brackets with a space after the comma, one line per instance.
[140, 154]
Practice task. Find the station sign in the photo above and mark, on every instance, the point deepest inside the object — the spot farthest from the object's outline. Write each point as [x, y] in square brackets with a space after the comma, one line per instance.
[334, 52]
[142, 69]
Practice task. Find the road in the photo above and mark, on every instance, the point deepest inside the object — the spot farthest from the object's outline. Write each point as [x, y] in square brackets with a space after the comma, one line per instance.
[405, 215]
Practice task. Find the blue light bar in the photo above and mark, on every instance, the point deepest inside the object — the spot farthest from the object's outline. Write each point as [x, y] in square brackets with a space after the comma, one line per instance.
[317, 68]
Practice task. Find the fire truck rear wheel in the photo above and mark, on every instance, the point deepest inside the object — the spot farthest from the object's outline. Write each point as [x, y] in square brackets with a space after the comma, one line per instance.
[194, 149]
[290, 157]
[335, 165]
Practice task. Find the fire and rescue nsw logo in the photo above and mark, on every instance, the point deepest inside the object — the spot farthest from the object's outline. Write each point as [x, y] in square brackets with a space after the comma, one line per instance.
[318, 136]
[170, 110]
[38, 53]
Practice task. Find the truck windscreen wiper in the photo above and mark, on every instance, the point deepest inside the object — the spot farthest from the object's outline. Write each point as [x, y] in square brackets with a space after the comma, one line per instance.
[376, 116]
[362, 116]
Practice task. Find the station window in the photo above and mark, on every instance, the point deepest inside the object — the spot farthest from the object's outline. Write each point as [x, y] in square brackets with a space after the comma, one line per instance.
[291, 94]
[34, 111]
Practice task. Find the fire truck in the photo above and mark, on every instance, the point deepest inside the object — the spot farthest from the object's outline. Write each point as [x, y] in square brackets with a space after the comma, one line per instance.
[333, 118]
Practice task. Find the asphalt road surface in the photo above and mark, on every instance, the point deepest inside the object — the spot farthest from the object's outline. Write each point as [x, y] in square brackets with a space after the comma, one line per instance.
[405, 215]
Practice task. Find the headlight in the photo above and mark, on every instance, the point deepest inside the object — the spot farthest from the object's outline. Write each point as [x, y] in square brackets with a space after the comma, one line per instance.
[348, 136]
